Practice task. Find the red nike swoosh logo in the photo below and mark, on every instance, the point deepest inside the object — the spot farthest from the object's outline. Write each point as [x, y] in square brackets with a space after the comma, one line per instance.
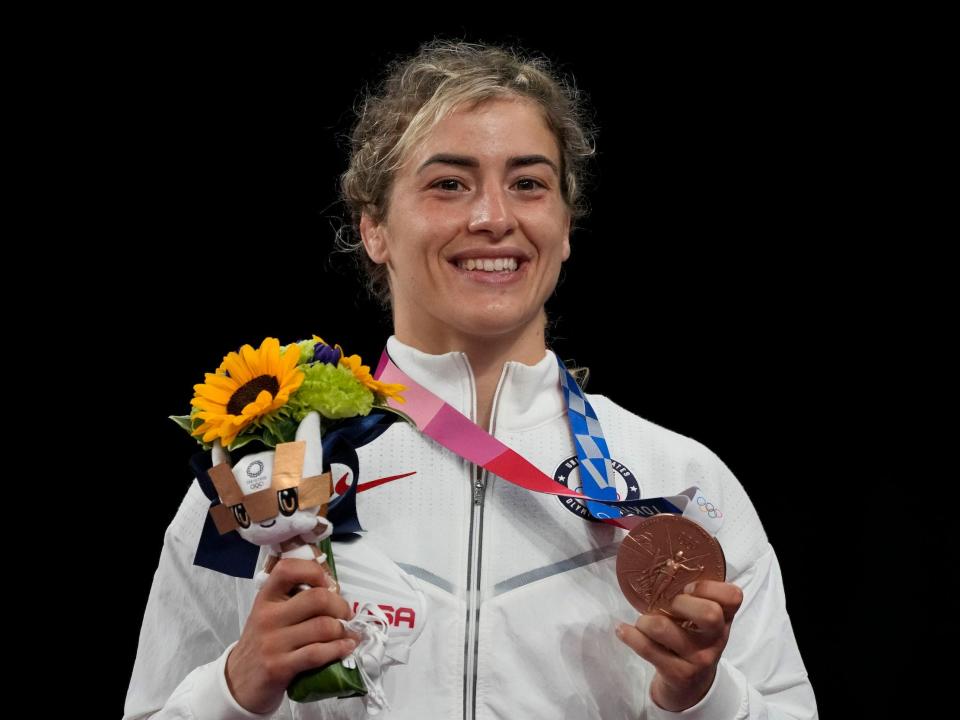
[342, 482]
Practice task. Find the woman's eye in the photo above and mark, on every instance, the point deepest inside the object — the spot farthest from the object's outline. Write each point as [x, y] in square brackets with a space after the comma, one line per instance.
[529, 184]
[452, 185]
[288, 501]
[240, 513]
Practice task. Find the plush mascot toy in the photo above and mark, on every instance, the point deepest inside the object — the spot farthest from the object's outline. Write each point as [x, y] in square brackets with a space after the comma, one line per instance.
[278, 499]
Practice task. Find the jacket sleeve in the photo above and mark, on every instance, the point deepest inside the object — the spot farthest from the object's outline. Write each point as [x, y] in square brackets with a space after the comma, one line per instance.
[761, 674]
[189, 627]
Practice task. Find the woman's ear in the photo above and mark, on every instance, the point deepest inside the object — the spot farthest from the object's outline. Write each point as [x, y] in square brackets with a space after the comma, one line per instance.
[374, 240]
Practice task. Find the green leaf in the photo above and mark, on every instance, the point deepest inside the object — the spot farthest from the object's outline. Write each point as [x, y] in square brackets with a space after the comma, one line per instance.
[399, 413]
[184, 421]
[241, 440]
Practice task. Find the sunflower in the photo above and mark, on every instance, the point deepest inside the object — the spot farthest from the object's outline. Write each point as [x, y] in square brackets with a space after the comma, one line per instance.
[247, 386]
[362, 373]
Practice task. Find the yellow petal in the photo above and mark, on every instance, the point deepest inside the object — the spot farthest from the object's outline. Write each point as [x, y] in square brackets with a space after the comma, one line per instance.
[251, 358]
[270, 356]
[211, 434]
[202, 429]
[293, 381]
[221, 381]
[237, 369]
[255, 407]
[215, 394]
[288, 361]
[209, 405]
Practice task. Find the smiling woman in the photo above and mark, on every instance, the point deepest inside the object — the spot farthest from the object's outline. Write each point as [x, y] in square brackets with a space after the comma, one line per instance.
[493, 520]
[465, 180]
[473, 243]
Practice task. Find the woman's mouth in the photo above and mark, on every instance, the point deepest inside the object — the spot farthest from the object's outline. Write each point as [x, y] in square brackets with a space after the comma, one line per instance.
[491, 271]
[506, 264]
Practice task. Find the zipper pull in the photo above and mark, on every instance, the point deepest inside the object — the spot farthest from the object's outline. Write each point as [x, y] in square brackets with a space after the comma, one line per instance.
[478, 487]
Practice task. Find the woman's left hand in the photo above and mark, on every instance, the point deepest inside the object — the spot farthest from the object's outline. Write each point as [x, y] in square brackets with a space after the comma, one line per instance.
[685, 657]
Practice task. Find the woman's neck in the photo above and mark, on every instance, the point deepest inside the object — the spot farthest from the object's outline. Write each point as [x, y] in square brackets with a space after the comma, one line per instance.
[487, 357]
[487, 360]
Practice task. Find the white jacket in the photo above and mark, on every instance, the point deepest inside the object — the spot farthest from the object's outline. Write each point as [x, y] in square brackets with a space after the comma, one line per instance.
[510, 599]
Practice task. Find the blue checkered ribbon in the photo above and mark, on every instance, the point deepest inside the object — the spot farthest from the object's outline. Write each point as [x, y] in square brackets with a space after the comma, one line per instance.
[596, 475]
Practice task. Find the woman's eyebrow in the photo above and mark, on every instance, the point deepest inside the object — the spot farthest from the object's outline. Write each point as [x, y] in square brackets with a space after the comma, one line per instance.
[472, 162]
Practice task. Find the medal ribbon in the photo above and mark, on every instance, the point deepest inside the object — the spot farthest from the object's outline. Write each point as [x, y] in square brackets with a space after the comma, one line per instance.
[592, 450]
[455, 431]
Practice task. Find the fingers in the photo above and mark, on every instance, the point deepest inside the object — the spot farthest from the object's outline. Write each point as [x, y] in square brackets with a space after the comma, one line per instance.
[320, 654]
[286, 635]
[279, 667]
[683, 677]
[698, 617]
[667, 634]
[312, 603]
[315, 630]
[695, 632]
[290, 573]
[685, 647]
[282, 610]
[653, 652]
[727, 595]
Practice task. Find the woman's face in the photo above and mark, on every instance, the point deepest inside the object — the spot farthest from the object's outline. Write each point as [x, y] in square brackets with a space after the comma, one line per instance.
[476, 229]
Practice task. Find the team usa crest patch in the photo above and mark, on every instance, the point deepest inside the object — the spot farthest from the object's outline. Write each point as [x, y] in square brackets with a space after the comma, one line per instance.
[568, 474]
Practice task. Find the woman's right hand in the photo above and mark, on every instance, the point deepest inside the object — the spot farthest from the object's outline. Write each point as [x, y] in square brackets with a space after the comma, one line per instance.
[286, 635]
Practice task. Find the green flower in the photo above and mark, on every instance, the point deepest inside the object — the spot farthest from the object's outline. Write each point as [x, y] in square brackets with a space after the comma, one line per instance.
[335, 385]
[333, 391]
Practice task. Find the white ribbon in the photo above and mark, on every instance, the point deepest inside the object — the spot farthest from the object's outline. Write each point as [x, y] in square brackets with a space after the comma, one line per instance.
[370, 623]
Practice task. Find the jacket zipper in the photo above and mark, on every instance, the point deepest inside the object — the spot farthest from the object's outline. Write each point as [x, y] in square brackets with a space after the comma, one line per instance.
[473, 593]
[478, 477]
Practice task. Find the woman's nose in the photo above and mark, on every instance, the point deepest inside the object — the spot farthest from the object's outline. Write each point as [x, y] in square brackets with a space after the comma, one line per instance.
[491, 212]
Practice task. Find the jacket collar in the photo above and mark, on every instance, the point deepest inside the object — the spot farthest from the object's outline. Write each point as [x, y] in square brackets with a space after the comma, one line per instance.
[526, 396]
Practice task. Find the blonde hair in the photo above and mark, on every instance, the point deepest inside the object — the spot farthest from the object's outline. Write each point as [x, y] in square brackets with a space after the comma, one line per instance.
[417, 93]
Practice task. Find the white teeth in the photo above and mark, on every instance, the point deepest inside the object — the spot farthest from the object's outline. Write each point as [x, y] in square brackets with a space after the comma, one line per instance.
[489, 265]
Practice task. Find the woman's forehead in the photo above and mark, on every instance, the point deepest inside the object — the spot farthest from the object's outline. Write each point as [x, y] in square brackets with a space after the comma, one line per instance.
[497, 129]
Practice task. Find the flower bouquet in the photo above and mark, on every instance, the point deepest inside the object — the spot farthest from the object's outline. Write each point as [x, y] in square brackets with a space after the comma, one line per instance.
[283, 400]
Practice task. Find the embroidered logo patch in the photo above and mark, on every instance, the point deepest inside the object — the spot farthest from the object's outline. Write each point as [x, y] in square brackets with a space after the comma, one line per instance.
[343, 478]
[568, 473]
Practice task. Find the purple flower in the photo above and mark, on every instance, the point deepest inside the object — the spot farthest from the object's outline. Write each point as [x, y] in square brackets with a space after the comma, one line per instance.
[326, 354]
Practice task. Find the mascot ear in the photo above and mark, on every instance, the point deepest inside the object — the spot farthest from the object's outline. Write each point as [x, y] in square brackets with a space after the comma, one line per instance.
[229, 554]
[309, 432]
[218, 454]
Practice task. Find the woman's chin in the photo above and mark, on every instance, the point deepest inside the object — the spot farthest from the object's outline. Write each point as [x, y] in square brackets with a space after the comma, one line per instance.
[494, 323]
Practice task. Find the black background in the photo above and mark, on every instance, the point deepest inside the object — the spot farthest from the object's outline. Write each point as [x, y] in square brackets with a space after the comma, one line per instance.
[712, 290]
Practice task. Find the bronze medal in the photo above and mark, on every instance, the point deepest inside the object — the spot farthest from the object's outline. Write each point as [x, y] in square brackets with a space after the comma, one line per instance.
[661, 555]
